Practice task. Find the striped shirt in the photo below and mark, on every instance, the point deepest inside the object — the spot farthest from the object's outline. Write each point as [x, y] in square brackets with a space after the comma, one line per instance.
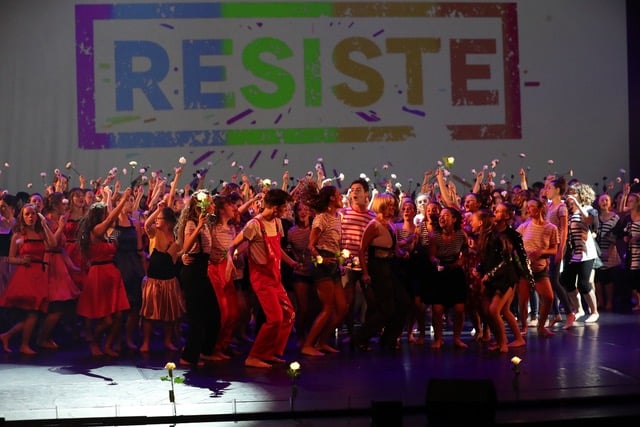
[582, 244]
[537, 237]
[606, 239]
[330, 232]
[634, 245]
[353, 225]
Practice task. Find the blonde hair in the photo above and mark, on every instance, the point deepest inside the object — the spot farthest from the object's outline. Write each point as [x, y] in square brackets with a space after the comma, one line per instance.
[382, 200]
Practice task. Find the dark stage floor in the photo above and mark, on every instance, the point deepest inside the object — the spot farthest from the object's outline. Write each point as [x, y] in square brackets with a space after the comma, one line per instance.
[590, 373]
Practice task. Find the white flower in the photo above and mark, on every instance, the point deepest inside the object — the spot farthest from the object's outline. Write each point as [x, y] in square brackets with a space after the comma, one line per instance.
[68, 165]
[398, 185]
[493, 164]
[233, 164]
[319, 259]
[266, 182]
[201, 196]
[636, 180]
[516, 360]
[144, 178]
[241, 167]
[182, 161]
[133, 163]
[618, 180]
[6, 165]
[170, 365]
[65, 201]
[473, 171]
[502, 182]
[440, 163]
[363, 176]
[622, 171]
[550, 161]
[141, 171]
[522, 155]
[446, 173]
[57, 172]
[294, 366]
[29, 185]
[318, 166]
[320, 160]
[485, 167]
[341, 177]
[285, 161]
[43, 174]
[394, 176]
[154, 174]
[124, 171]
[385, 166]
[345, 253]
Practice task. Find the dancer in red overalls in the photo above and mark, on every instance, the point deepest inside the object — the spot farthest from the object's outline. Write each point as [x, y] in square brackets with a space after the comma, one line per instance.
[263, 233]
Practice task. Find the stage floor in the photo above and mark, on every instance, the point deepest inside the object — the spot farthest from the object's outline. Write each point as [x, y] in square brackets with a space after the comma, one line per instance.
[588, 371]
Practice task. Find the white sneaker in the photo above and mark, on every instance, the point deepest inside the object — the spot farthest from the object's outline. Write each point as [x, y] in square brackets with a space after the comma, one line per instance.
[593, 318]
[533, 323]
[580, 314]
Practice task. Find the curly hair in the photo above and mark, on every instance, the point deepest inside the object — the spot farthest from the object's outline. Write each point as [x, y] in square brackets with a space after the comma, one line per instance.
[583, 193]
[96, 214]
[316, 198]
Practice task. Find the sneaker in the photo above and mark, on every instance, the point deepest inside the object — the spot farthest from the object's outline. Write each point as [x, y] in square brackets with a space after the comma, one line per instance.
[593, 318]
[533, 323]
[571, 319]
[580, 314]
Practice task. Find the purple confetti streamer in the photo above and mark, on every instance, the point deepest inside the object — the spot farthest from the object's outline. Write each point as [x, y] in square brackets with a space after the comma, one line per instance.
[255, 159]
[278, 119]
[204, 156]
[273, 153]
[377, 33]
[245, 113]
[416, 112]
[367, 117]
[171, 27]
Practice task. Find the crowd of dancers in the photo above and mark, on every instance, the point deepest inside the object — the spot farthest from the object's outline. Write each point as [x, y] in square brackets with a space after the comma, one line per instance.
[250, 262]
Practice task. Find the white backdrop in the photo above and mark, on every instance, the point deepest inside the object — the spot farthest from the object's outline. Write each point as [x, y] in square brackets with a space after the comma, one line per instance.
[568, 95]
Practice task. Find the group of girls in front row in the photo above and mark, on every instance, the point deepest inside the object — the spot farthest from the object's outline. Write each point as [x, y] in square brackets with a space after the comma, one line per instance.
[102, 262]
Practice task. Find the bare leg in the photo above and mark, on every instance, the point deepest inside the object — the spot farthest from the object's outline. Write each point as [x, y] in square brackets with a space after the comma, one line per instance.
[437, 320]
[169, 328]
[6, 337]
[29, 326]
[325, 290]
[44, 338]
[147, 328]
[458, 323]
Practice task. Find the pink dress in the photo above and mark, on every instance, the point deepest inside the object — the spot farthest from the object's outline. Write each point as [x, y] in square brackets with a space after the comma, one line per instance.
[73, 249]
[27, 288]
[103, 291]
[61, 285]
